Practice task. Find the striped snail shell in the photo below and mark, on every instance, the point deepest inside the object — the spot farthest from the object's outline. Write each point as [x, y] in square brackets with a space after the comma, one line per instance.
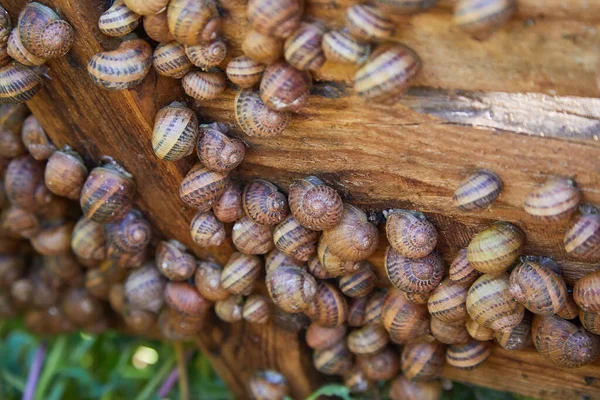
[173, 262]
[294, 240]
[193, 21]
[590, 321]
[252, 238]
[146, 7]
[207, 55]
[88, 241]
[241, 273]
[405, 6]
[563, 343]
[538, 288]
[122, 68]
[490, 303]
[360, 283]
[319, 337]
[169, 59]
[18, 83]
[264, 203]
[302, 49]
[275, 259]
[582, 238]
[130, 234]
[468, 356]
[356, 380]
[329, 307]
[257, 309]
[414, 274]
[341, 47]
[36, 140]
[42, 31]
[368, 23]
[461, 270]
[410, 234]
[447, 302]
[417, 298]
[317, 270]
[145, 289]
[21, 181]
[481, 18]
[18, 52]
[156, 27]
[404, 389]
[314, 204]
[556, 200]
[184, 299]
[478, 191]
[207, 230]
[586, 292]
[278, 18]
[255, 118]
[291, 288]
[369, 339]
[332, 264]
[201, 187]
[334, 360]
[380, 366]
[357, 308]
[284, 88]
[404, 321]
[5, 25]
[118, 20]
[53, 239]
[217, 151]
[449, 332]
[175, 132]
[11, 145]
[387, 73]
[517, 338]
[127, 260]
[244, 72]
[570, 310]
[207, 279]
[354, 238]
[423, 361]
[262, 48]
[268, 385]
[5, 58]
[374, 307]
[20, 223]
[230, 310]
[204, 85]
[493, 250]
[107, 194]
[479, 332]
[229, 206]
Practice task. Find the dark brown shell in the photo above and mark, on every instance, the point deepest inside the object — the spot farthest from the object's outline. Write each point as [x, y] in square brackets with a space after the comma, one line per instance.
[586, 292]
[449, 333]
[244, 72]
[334, 360]
[417, 298]
[11, 145]
[175, 131]
[207, 230]
[291, 288]
[332, 264]
[169, 59]
[80, 307]
[538, 288]
[278, 18]
[370, 339]
[229, 206]
[144, 288]
[423, 361]
[329, 307]
[207, 55]
[478, 191]
[590, 321]
[184, 299]
[461, 270]
[380, 366]
[294, 240]
[468, 356]
[405, 389]
[403, 320]
[219, 152]
[193, 21]
[314, 204]
[241, 273]
[20, 223]
[230, 309]
[18, 83]
[208, 281]
[409, 234]
[22, 178]
[201, 187]
[42, 31]
[414, 274]
[255, 118]
[354, 238]
[319, 337]
[570, 310]
[481, 18]
[257, 309]
[268, 385]
[252, 238]
[517, 338]
[284, 88]
[447, 302]
[357, 308]
[359, 283]
[582, 238]
[173, 262]
[275, 259]
[555, 201]
[65, 174]
[302, 49]
[131, 234]
[264, 203]
[368, 23]
[88, 241]
[17, 51]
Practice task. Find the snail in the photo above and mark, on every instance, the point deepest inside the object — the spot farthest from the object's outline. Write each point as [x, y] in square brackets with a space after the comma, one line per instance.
[490, 303]
[290, 322]
[357, 308]
[139, 320]
[262, 48]
[302, 49]
[586, 293]
[174, 326]
[278, 18]
[118, 20]
[207, 55]
[570, 310]
[207, 230]
[18, 83]
[590, 321]
[257, 309]
[230, 309]
[11, 145]
[252, 238]
[370, 339]
[354, 238]
[494, 249]
[17, 51]
[6, 25]
[43, 32]
[517, 338]
[145, 288]
[291, 288]
[126, 260]
[5, 58]
[410, 234]
[20, 223]
[107, 194]
[341, 47]
[228, 208]
[334, 360]
[66, 267]
[268, 385]
[88, 241]
[478, 191]
[201, 187]
[356, 380]
[208, 281]
[204, 85]
[241, 273]
[383, 365]
[366, 22]
[555, 201]
[217, 151]
[582, 238]
[130, 234]
[80, 307]
[156, 27]
[447, 302]
[481, 18]
[314, 204]
[244, 72]
[468, 356]
[193, 21]
[184, 299]
[461, 270]
[331, 264]
[65, 173]
[359, 283]
[116, 298]
[319, 337]
[422, 361]
[317, 270]
[146, 7]
[449, 332]
[275, 259]
[175, 132]
[294, 240]
[263, 203]
[404, 389]
[23, 176]
[405, 6]
[374, 308]
[400, 63]
[479, 332]
[122, 68]
[12, 116]
[11, 268]
[170, 59]
[36, 140]
[255, 118]
[538, 288]
[414, 274]
[284, 88]
[404, 321]
[416, 297]
[329, 307]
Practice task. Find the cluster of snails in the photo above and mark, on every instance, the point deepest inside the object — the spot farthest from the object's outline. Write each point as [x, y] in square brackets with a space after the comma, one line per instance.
[40, 34]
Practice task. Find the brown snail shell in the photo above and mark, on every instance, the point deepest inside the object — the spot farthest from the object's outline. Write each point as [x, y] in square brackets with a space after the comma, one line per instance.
[354, 238]
[185, 300]
[374, 308]
[11, 145]
[329, 307]
[317, 270]
[404, 389]
[517, 338]
[244, 72]
[409, 234]
[590, 321]
[302, 49]
[17, 51]
[357, 308]
[555, 201]
[146, 7]
[204, 85]
[207, 55]
[173, 262]
[42, 31]
[275, 259]
[461, 270]
[582, 238]
[538, 288]
[207, 230]
[319, 337]
[380, 366]
[404, 6]
[80, 307]
[53, 239]
[241, 273]
[5, 58]
[290, 322]
[175, 132]
[88, 241]
[404, 321]
[255, 118]
[252, 238]
[262, 48]
[284, 88]
[586, 292]
[493, 250]
[291, 288]
[370, 339]
[360, 283]
[12, 116]
[11, 268]
[219, 152]
[414, 275]
[18, 83]
[230, 310]
[193, 21]
[417, 298]
[20, 223]
[156, 27]
[174, 326]
[5, 25]
[447, 302]
[422, 361]
[334, 360]
[116, 298]
[35, 139]
[208, 281]
[122, 68]
[268, 385]
[130, 234]
[264, 203]
[278, 18]
[314, 204]
[126, 260]
[490, 303]
[570, 310]
[201, 187]
[229, 206]
[65, 174]
[66, 267]
[170, 59]
[145, 288]
[478, 191]
[356, 380]
[341, 47]
[257, 309]
[368, 23]
[468, 356]
[449, 332]
[118, 20]
[481, 18]
[294, 240]
[139, 320]
[479, 332]
[22, 178]
[333, 265]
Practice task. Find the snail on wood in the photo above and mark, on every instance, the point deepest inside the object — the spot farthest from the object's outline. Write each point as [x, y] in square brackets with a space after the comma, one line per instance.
[319, 337]
[481, 18]
[414, 274]
[468, 356]
[17, 51]
[257, 309]
[262, 48]
[156, 27]
[332, 264]
[145, 288]
[449, 332]
[291, 288]
[478, 191]
[284, 88]
[208, 281]
[229, 206]
[275, 259]
[230, 309]
[404, 389]
[88, 241]
[175, 132]
[207, 230]
[582, 238]
[493, 250]
[341, 47]
[207, 55]
[18, 83]
[217, 151]
[118, 20]
[130, 234]
[354, 238]
[334, 360]
[366, 22]
[359, 283]
[555, 201]
[314, 204]
[36, 140]
[65, 173]
[383, 365]
[264, 203]
[252, 238]
[404, 321]
[538, 288]
[202, 85]
[193, 21]
[461, 270]
[241, 273]
[255, 118]
[244, 72]
[294, 240]
[169, 59]
[410, 234]
[374, 308]
[23, 183]
[146, 7]
[369, 339]
[201, 187]
[184, 299]
[422, 361]
[517, 338]
[278, 18]
[479, 332]
[357, 308]
[302, 49]
[317, 270]
[586, 292]
[43, 32]
[405, 6]
[268, 385]
[329, 307]
[173, 261]
[447, 302]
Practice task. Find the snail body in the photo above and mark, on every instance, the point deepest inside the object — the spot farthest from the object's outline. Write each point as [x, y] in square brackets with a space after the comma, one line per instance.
[230, 310]
[494, 249]
[229, 206]
[241, 273]
[173, 262]
[294, 240]
[341, 47]
[146, 7]
[333, 265]
[404, 321]
[219, 152]
[461, 270]
[255, 118]
[43, 32]
[208, 281]
[65, 174]
[414, 275]
[193, 21]
[261, 48]
[201, 187]
[36, 140]
[410, 235]
[447, 302]
[478, 191]
[291, 288]
[367, 22]
[481, 18]
[130, 234]
[319, 337]
[302, 49]
[370, 339]
[264, 203]
[449, 332]
[118, 20]
[284, 88]
[207, 55]
[244, 72]
[582, 238]
[207, 230]
[468, 356]
[257, 309]
[204, 85]
[18, 83]
[252, 238]
[422, 361]
[586, 293]
[314, 204]
[359, 283]
[329, 307]
[278, 18]
[175, 132]
[538, 288]
[169, 59]
[354, 238]
[557, 200]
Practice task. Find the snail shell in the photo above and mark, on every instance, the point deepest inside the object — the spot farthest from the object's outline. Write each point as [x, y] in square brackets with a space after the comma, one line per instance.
[359, 283]
[294, 240]
[18, 83]
[490, 303]
[241, 273]
[11, 145]
[403, 320]
[334, 360]
[193, 21]
[262, 48]
[35, 139]
[449, 332]
[201, 187]
[284, 88]
[145, 288]
[278, 18]
[356, 311]
[563, 343]
[207, 55]
[586, 292]
[65, 174]
[204, 85]
[317, 270]
[447, 302]
[208, 281]
[332, 265]
[374, 308]
[252, 238]
[122, 68]
[494, 249]
[185, 300]
[118, 20]
[387, 73]
[590, 321]
[417, 298]
[230, 310]
[255, 118]
[275, 259]
[461, 270]
[229, 206]
[257, 309]
[314, 204]
[537, 288]
[368, 23]
[481, 18]
[319, 337]
[20, 223]
[175, 132]
[479, 332]
[341, 47]
[139, 320]
[329, 307]
[80, 307]
[157, 27]
[555, 201]
[42, 31]
[18, 52]
[264, 203]
[4, 56]
[405, 389]
[23, 176]
[126, 260]
[517, 338]
[12, 117]
[173, 262]
[146, 7]
[11, 268]
[478, 191]
[207, 230]
[414, 274]
[244, 72]
[268, 385]
[369, 339]
[169, 59]
[354, 238]
[88, 241]
[582, 238]
[468, 356]
[570, 310]
[380, 366]
[291, 288]
[5, 25]
[302, 49]
[356, 380]
[410, 235]
[130, 234]
[423, 361]
[177, 327]
[219, 152]
[405, 6]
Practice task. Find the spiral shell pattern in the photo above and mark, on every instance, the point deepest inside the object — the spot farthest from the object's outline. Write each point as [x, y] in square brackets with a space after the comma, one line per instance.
[207, 55]
[156, 27]
[264, 203]
[319, 337]
[334, 360]
[302, 49]
[555, 201]
[329, 307]
[380, 366]
[284, 88]
[276, 18]
[314, 204]
[262, 48]
[146, 7]
[207, 279]
[88, 240]
[275, 259]
[481, 18]
[18, 83]
[582, 238]
[244, 72]
[229, 206]
[219, 152]
[356, 311]
[173, 262]
[317, 270]
[517, 338]
[130, 234]
[479, 332]
[122, 68]
[586, 292]
[410, 235]
[19, 53]
[256, 309]
[403, 321]
[42, 31]
[204, 85]
[449, 332]
[193, 21]
[414, 274]
[447, 302]
[255, 118]
[360, 283]
[368, 340]
[461, 270]
[107, 194]
[185, 300]
[374, 307]
[354, 238]
[332, 264]
[293, 239]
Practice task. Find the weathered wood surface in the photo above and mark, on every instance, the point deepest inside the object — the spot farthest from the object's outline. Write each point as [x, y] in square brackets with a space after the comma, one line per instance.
[411, 155]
